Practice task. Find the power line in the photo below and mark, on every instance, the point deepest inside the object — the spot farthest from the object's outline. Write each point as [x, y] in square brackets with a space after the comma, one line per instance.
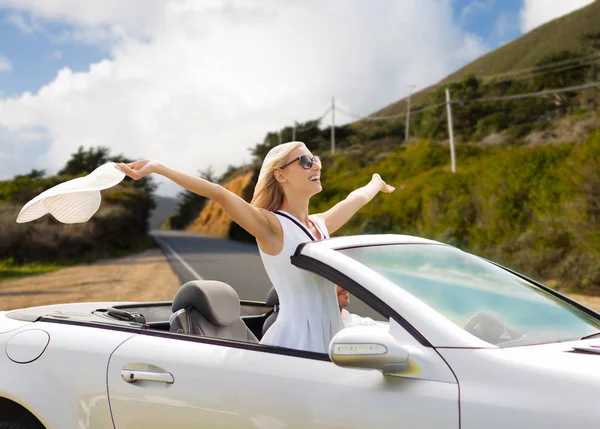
[314, 123]
[370, 118]
[531, 75]
[542, 68]
[474, 100]
[354, 115]
[324, 114]
[528, 72]
[425, 109]
[385, 118]
[437, 123]
[530, 94]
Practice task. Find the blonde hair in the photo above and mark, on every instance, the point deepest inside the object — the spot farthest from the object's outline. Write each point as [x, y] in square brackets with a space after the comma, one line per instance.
[268, 193]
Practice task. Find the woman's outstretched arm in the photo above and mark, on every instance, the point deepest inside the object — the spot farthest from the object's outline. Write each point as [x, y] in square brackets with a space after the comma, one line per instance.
[341, 213]
[255, 220]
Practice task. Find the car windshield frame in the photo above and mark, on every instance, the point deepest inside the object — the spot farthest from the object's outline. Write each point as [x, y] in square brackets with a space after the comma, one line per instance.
[547, 302]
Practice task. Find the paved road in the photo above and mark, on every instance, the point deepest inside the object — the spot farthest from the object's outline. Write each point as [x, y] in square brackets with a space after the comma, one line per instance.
[238, 264]
[195, 256]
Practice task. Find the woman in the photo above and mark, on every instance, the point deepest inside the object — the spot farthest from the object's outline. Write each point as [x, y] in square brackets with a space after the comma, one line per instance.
[278, 218]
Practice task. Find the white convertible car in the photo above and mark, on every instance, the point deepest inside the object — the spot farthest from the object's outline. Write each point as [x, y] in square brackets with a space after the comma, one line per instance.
[469, 345]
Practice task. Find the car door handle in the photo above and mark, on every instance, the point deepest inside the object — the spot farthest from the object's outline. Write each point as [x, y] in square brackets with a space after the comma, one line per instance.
[131, 376]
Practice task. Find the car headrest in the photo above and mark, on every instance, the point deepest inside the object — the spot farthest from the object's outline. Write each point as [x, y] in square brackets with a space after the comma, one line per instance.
[272, 298]
[218, 302]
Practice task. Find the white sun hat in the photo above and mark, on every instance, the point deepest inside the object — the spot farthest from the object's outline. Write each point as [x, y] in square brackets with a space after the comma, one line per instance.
[76, 200]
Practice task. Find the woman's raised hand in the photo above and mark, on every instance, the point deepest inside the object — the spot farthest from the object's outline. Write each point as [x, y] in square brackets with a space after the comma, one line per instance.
[384, 187]
[138, 169]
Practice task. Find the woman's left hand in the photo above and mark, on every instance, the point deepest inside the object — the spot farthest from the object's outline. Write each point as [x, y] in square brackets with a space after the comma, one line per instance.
[384, 187]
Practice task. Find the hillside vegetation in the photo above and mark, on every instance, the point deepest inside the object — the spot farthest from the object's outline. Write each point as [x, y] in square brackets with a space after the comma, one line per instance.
[213, 221]
[536, 209]
[575, 32]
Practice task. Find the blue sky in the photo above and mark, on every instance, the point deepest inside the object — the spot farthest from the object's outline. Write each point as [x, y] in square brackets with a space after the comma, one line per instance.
[495, 21]
[36, 56]
[196, 84]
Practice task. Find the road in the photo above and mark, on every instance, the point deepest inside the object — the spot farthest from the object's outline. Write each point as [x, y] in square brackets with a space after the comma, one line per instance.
[194, 256]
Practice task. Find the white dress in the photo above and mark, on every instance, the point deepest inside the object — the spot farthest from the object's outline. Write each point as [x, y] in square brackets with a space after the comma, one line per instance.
[309, 315]
[350, 319]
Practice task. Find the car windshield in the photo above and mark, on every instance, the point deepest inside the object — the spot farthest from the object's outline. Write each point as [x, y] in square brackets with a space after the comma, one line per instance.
[480, 297]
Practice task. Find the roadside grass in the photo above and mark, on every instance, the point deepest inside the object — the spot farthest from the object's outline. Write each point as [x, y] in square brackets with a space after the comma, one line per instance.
[10, 270]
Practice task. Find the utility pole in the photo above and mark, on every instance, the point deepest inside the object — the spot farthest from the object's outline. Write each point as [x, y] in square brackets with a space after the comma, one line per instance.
[294, 132]
[332, 125]
[450, 130]
[407, 128]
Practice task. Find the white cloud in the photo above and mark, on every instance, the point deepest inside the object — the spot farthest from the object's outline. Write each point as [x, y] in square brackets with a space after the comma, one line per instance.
[475, 7]
[537, 12]
[5, 64]
[22, 150]
[195, 84]
[25, 24]
[132, 14]
[93, 21]
[56, 54]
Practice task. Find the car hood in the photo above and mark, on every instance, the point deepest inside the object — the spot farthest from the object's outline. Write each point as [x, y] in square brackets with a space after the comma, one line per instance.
[573, 357]
[556, 366]
[7, 324]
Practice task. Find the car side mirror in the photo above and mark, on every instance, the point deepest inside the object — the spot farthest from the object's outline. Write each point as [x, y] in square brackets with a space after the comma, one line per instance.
[369, 347]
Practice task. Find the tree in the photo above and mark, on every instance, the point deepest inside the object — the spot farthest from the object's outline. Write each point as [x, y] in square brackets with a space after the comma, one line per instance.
[85, 161]
[307, 132]
[33, 174]
[191, 204]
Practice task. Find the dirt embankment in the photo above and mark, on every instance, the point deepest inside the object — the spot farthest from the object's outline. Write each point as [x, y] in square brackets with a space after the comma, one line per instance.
[212, 219]
[146, 276]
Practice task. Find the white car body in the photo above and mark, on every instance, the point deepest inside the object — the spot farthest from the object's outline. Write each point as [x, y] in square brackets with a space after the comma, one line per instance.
[65, 366]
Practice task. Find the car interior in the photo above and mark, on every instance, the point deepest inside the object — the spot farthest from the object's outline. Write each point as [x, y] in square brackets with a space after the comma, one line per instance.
[204, 308]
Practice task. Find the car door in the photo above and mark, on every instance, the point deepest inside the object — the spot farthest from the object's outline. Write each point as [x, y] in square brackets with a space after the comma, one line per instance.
[186, 381]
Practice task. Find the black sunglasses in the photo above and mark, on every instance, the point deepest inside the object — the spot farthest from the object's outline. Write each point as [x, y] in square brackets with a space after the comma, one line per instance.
[305, 161]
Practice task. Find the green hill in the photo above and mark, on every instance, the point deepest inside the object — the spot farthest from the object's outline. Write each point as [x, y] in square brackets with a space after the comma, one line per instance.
[534, 209]
[576, 32]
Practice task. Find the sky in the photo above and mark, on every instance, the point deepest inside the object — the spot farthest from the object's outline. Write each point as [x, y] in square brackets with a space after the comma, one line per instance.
[195, 84]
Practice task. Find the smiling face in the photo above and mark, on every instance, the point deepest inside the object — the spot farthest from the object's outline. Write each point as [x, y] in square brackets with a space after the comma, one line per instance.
[297, 179]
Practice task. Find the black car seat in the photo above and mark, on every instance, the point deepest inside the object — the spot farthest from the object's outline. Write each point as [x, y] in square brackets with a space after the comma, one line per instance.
[271, 301]
[209, 308]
